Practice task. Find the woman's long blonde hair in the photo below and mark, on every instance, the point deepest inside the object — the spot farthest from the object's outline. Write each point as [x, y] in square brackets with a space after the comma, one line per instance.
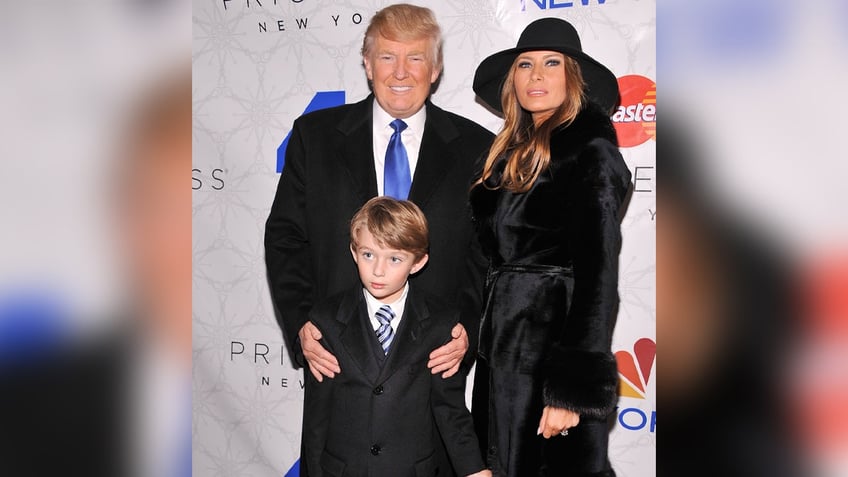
[526, 147]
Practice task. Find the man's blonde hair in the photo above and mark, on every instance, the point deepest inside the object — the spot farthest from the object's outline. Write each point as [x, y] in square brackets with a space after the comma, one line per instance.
[403, 22]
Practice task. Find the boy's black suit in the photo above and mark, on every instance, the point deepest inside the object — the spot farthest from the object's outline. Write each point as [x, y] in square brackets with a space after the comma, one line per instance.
[385, 415]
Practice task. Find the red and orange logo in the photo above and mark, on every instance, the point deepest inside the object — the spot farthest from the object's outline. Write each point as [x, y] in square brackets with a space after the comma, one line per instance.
[635, 120]
[634, 374]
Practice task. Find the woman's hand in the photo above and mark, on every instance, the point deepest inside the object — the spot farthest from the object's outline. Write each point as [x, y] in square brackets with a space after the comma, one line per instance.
[555, 420]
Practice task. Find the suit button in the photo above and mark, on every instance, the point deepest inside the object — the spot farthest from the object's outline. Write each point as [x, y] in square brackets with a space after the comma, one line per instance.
[375, 450]
[378, 390]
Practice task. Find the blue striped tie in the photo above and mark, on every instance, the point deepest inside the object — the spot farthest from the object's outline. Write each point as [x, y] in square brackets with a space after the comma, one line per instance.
[396, 176]
[384, 332]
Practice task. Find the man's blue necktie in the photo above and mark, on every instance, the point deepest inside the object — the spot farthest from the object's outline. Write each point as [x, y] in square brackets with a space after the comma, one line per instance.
[396, 176]
[385, 332]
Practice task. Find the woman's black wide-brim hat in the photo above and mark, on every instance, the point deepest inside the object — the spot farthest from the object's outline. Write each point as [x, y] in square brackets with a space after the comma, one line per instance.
[549, 34]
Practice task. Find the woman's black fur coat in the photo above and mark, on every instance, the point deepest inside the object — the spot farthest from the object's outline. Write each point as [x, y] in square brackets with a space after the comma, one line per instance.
[552, 285]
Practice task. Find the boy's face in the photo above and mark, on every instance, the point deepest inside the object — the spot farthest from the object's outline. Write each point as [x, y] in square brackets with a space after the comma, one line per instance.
[383, 271]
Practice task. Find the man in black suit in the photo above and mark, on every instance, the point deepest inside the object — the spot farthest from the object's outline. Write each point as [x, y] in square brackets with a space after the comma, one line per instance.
[335, 162]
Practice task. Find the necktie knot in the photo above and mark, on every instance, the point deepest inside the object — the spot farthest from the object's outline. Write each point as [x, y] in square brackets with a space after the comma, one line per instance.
[385, 315]
[398, 125]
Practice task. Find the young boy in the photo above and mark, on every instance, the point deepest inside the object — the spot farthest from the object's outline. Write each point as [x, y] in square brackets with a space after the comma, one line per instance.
[385, 413]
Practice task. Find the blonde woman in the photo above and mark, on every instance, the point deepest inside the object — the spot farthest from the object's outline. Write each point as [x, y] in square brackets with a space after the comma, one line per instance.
[548, 209]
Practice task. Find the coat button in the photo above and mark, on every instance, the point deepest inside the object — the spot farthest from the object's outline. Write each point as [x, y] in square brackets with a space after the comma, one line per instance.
[378, 390]
[375, 450]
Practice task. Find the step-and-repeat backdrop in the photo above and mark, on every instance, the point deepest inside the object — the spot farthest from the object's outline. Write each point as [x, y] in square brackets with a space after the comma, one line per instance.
[258, 65]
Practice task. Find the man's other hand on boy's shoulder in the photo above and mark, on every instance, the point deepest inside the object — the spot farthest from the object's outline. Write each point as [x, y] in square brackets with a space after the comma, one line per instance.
[446, 359]
[321, 362]
[482, 473]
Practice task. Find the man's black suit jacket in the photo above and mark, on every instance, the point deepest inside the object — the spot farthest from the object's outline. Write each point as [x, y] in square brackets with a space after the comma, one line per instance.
[329, 173]
[386, 414]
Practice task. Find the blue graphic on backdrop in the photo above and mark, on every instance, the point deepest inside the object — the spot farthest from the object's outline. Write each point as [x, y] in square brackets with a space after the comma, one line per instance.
[295, 470]
[321, 100]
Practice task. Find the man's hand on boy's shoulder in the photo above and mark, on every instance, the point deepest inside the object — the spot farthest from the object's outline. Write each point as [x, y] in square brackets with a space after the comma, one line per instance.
[482, 473]
[321, 362]
[447, 358]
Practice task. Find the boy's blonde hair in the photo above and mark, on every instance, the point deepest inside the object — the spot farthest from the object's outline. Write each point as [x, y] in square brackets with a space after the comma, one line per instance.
[397, 224]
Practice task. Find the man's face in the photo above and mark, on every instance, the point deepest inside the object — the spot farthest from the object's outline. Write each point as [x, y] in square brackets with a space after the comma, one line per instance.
[401, 74]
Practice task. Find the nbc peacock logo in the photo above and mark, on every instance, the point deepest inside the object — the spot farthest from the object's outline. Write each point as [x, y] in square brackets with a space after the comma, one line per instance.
[634, 369]
[634, 374]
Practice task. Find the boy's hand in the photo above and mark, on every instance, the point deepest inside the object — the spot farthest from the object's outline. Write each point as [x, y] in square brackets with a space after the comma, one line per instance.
[555, 420]
[448, 357]
[321, 362]
[482, 473]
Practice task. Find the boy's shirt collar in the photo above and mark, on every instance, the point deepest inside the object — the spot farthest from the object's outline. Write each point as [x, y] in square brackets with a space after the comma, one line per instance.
[374, 304]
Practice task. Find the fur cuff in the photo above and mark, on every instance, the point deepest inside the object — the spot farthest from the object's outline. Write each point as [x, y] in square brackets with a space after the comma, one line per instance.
[585, 382]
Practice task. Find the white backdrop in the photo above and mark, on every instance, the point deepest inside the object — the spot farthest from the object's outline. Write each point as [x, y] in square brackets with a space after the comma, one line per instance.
[257, 65]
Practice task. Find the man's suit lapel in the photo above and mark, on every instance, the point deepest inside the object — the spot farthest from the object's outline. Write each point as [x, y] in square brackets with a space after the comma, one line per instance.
[407, 340]
[356, 152]
[436, 158]
[355, 336]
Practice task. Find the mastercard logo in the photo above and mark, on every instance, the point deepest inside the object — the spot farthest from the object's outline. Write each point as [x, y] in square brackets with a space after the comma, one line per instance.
[635, 120]
[634, 369]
